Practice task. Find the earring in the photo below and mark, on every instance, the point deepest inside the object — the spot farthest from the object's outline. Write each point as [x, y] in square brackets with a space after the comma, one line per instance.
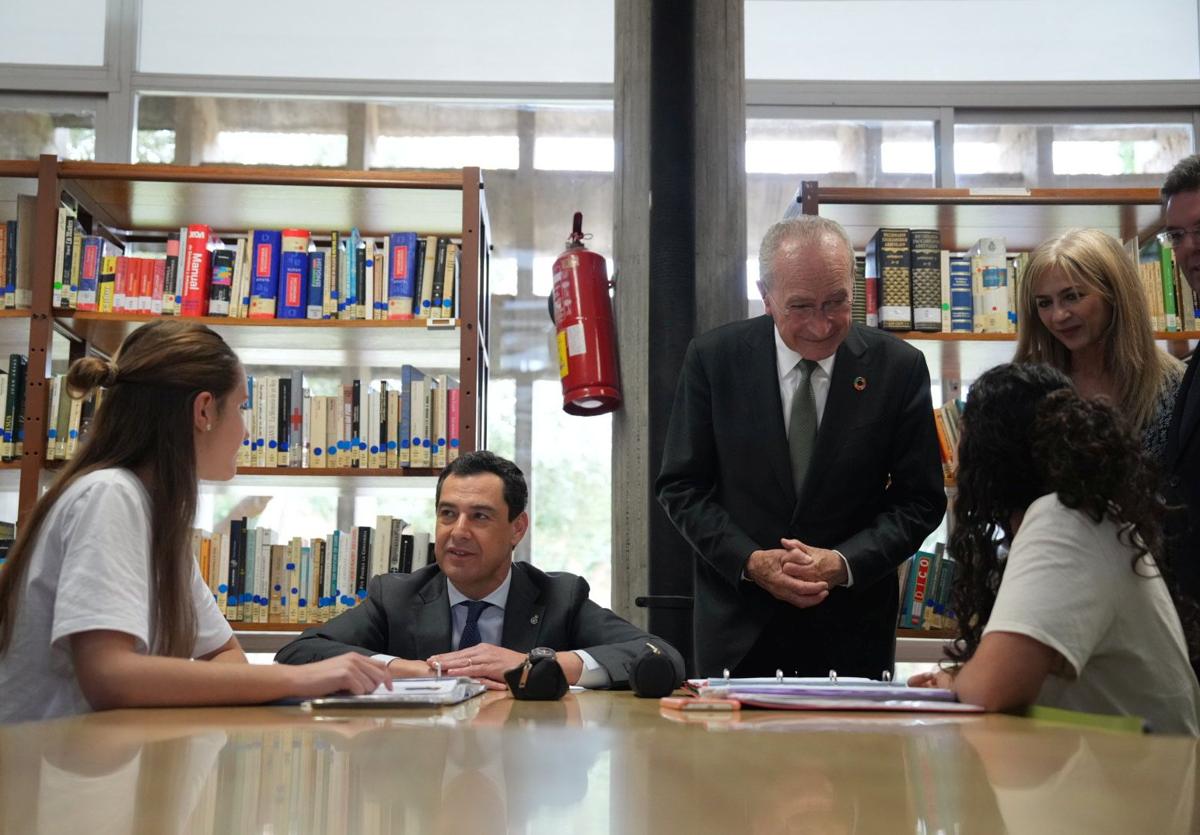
[208, 427]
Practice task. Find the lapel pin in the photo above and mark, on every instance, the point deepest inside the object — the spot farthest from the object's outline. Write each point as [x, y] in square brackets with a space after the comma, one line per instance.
[860, 383]
[534, 620]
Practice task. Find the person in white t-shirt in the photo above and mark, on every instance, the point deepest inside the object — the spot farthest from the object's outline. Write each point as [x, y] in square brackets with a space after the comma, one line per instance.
[101, 603]
[1078, 615]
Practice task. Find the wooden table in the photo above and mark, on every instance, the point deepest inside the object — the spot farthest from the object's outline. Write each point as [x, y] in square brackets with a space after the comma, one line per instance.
[595, 762]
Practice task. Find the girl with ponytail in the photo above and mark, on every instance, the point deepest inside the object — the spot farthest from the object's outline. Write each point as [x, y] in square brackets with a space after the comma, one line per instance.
[101, 602]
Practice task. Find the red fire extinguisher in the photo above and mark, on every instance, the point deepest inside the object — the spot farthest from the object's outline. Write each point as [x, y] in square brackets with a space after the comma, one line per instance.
[587, 357]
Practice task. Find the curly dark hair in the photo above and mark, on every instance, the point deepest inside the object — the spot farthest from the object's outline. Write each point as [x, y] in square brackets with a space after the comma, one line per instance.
[1027, 433]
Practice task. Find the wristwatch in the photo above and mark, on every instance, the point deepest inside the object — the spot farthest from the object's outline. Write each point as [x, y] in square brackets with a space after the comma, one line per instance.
[535, 655]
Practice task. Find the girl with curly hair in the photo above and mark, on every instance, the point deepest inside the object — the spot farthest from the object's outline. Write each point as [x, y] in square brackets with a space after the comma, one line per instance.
[1078, 615]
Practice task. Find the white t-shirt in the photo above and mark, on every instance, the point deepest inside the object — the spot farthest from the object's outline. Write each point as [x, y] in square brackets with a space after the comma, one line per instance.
[89, 570]
[1070, 584]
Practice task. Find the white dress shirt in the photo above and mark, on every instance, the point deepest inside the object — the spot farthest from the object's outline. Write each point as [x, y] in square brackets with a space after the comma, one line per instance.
[786, 361]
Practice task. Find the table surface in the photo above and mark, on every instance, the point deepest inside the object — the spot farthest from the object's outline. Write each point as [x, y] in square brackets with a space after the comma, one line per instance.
[594, 762]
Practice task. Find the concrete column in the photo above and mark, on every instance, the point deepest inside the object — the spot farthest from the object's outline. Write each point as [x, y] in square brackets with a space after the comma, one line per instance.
[679, 245]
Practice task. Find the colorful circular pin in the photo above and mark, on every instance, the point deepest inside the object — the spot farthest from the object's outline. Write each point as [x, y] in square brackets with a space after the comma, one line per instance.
[860, 383]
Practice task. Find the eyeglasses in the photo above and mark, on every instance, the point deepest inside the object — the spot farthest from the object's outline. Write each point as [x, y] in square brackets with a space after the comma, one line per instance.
[1172, 238]
[806, 312]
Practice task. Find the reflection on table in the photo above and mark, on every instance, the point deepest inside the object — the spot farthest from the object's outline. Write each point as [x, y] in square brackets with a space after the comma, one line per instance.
[595, 762]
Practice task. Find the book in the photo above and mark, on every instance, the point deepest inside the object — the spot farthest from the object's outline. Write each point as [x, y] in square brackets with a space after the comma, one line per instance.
[889, 262]
[264, 272]
[293, 286]
[196, 271]
[926, 259]
[423, 300]
[91, 255]
[402, 264]
[171, 276]
[22, 254]
[316, 284]
[220, 293]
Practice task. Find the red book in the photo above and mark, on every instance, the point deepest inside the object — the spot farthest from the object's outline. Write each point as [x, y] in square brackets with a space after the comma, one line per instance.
[121, 284]
[145, 284]
[156, 291]
[196, 268]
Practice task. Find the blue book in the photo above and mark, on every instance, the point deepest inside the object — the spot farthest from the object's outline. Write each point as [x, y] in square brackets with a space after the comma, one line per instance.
[402, 266]
[264, 272]
[10, 263]
[962, 307]
[353, 245]
[293, 286]
[316, 284]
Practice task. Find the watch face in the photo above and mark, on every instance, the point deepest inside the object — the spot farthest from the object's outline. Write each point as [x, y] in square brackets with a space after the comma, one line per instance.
[541, 654]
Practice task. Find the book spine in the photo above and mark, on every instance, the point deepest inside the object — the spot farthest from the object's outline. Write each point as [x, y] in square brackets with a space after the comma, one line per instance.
[105, 297]
[171, 276]
[196, 271]
[89, 271]
[925, 248]
[895, 280]
[362, 562]
[401, 266]
[158, 284]
[220, 293]
[264, 273]
[316, 285]
[1170, 311]
[283, 417]
[293, 289]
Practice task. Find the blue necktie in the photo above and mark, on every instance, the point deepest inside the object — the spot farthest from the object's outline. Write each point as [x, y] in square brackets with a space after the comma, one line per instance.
[470, 633]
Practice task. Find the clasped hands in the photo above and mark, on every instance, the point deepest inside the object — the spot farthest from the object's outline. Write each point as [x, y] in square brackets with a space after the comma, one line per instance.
[486, 662]
[795, 573]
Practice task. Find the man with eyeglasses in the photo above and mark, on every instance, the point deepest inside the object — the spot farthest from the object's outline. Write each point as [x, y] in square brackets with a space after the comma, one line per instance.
[801, 464]
[1181, 200]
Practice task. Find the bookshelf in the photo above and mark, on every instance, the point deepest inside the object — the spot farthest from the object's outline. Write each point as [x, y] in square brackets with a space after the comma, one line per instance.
[17, 178]
[1024, 217]
[142, 204]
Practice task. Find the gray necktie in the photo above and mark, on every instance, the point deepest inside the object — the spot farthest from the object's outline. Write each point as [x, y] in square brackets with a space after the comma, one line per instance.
[802, 428]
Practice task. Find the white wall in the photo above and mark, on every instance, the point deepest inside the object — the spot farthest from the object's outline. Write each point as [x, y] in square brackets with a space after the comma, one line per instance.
[34, 32]
[972, 40]
[448, 40]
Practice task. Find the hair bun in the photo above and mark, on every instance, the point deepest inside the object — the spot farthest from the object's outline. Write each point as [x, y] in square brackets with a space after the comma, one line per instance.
[89, 373]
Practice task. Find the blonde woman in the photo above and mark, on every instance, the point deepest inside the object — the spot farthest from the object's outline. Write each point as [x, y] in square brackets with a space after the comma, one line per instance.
[1081, 309]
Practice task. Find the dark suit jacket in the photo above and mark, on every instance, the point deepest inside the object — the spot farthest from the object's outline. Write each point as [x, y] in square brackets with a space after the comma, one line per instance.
[1182, 470]
[408, 615]
[874, 487]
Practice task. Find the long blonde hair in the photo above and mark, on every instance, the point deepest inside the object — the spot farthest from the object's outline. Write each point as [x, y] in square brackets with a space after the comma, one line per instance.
[144, 421]
[1096, 262]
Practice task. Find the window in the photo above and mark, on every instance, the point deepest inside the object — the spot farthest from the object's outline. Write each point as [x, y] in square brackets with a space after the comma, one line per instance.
[1030, 155]
[782, 152]
[198, 129]
[68, 132]
[542, 163]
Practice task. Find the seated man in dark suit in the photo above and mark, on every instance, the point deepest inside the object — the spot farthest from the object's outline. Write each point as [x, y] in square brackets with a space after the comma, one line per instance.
[476, 612]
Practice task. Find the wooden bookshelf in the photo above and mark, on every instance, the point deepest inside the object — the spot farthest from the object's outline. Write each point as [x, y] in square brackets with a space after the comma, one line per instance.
[141, 204]
[1024, 217]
